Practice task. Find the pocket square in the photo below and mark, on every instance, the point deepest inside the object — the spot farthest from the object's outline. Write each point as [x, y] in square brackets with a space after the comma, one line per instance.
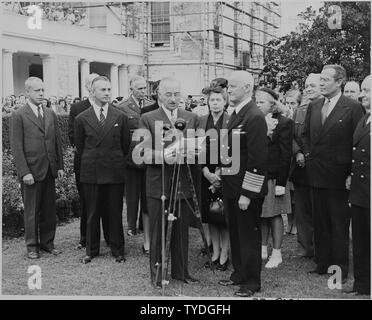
[115, 125]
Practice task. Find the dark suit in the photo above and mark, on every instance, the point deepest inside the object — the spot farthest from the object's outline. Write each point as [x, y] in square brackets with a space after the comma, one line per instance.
[360, 199]
[134, 173]
[328, 159]
[250, 181]
[179, 236]
[102, 153]
[302, 192]
[37, 149]
[75, 110]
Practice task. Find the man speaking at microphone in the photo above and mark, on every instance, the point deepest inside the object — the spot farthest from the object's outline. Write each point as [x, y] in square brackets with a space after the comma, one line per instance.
[169, 94]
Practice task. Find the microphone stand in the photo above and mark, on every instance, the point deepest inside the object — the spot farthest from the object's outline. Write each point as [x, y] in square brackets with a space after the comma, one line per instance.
[163, 215]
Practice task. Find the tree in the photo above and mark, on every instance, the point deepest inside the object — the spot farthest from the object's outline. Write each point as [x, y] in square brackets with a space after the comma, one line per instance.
[314, 44]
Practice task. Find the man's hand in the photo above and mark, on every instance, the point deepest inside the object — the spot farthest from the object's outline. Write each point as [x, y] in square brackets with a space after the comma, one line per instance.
[279, 191]
[170, 157]
[300, 159]
[28, 179]
[213, 178]
[60, 174]
[348, 182]
[244, 202]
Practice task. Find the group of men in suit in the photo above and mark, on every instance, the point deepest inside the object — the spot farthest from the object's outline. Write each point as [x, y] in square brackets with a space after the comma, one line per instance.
[244, 191]
[335, 145]
[332, 127]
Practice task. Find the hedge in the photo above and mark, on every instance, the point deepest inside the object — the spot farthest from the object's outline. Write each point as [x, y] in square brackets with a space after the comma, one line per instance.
[67, 199]
[62, 124]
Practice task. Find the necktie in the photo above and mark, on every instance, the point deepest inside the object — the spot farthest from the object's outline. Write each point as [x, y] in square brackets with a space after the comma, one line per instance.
[102, 118]
[325, 110]
[173, 116]
[39, 116]
[233, 116]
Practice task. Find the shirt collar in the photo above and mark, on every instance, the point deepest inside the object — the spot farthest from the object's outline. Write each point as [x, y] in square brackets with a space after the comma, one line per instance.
[334, 100]
[137, 102]
[97, 109]
[34, 107]
[95, 106]
[168, 112]
[242, 104]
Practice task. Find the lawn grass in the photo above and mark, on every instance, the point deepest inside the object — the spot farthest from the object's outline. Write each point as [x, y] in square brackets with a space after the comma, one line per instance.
[66, 275]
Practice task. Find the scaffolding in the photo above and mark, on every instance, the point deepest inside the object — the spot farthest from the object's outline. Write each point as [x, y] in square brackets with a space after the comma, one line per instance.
[213, 57]
[214, 17]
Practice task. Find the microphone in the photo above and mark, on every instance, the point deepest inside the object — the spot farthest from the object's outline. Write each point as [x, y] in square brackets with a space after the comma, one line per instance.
[180, 124]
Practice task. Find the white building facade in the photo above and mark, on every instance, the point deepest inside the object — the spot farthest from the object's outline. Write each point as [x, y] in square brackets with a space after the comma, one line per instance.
[63, 55]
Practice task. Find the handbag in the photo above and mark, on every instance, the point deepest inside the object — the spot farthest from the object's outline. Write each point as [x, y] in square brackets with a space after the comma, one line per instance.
[216, 211]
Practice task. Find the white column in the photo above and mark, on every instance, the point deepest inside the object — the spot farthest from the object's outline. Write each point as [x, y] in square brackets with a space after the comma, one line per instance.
[123, 81]
[84, 72]
[114, 78]
[73, 87]
[8, 77]
[50, 76]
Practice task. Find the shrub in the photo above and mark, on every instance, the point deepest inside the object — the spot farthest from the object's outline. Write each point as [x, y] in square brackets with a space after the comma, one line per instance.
[12, 206]
[67, 199]
[8, 164]
[6, 137]
[66, 191]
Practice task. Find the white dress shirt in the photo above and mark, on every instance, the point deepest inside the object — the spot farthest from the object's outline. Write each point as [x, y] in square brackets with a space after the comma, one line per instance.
[241, 105]
[34, 109]
[97, 110]
[169, 113]
[332, 103]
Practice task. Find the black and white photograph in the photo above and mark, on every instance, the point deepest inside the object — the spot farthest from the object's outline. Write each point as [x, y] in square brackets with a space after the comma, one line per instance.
[186, 150]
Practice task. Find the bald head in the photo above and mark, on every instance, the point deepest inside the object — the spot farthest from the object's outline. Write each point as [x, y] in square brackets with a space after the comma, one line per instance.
[168, 81]
[312, 86]
[365, 94]
[169, 92]
[352, 90]
[242, 76]
[240, 87]
[34, 88]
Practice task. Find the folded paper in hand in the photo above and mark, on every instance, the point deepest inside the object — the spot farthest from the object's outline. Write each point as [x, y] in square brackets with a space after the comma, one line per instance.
[189, 146]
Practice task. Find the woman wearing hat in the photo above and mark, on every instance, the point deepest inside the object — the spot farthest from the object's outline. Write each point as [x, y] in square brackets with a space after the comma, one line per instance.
[277, 201]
